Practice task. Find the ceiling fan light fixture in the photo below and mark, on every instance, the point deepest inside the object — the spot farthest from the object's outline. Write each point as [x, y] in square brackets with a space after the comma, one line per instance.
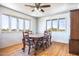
[38, 8]
[35, 9]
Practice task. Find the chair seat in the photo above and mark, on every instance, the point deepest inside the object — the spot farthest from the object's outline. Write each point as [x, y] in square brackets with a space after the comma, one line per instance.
[29, 43]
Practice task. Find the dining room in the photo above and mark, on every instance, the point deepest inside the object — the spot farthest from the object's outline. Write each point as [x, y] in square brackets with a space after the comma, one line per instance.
[38, 29]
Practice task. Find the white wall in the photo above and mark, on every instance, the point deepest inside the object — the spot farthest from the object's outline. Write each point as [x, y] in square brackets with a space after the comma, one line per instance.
[56, 36]
[11, 38]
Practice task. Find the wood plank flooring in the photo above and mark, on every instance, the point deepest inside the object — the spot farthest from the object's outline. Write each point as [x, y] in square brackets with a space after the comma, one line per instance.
[10, 50]
[56, 49]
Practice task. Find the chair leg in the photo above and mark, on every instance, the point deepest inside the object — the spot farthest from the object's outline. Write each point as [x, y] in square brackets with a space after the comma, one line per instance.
[43, 46]
[29, 50]
[23, 47]
[35, 52]
[46, 45]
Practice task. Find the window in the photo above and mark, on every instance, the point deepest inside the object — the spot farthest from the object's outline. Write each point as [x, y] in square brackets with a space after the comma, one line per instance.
[48, 25]
[62, 24]
[21, 24]
[55, 24]
[5, 22]
[27, 24]
[13, 23]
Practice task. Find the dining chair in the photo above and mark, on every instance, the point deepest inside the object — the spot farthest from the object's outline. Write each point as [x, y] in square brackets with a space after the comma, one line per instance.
[50, 37]
[45, 40]
[27, 41]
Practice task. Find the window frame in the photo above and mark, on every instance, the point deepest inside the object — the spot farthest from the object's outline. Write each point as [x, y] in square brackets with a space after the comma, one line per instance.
[22, 24]
[17, 22]
[2, 29]
[65, 24]
[56, 29]
[29, 24]
[46, 23]
[57, 24]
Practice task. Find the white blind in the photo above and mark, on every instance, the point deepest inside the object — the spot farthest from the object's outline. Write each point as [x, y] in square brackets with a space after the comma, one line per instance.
[55, 24]
[27, 24]
[62, 24]
[48, 24]
[13, 22]
[5, 22]
[21, 24]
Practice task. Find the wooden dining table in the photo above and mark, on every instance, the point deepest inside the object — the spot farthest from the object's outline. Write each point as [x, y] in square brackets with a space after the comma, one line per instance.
[36, 38]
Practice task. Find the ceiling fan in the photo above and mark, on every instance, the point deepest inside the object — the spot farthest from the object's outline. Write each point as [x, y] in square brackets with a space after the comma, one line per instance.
[38, 6]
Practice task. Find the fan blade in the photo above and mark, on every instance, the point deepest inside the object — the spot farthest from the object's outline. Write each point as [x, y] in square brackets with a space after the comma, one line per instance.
[42, 10]
[44, 6]
[30, 6]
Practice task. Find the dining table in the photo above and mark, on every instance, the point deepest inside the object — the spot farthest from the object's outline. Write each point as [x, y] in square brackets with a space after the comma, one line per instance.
[36, 39]
[36, 36]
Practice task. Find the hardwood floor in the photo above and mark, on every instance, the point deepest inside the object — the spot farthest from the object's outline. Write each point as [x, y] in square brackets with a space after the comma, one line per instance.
[10, 50]
[56, 49]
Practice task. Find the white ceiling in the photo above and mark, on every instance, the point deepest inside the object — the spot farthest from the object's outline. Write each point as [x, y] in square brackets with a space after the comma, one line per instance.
[55, 8]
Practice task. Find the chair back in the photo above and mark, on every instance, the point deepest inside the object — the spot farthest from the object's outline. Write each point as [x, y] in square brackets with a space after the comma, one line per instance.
[45, 32]
[26, 36]
[46, 35]
[30, 32]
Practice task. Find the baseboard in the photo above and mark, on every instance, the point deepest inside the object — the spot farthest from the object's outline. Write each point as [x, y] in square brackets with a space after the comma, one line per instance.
[60, 42]
[11, 46]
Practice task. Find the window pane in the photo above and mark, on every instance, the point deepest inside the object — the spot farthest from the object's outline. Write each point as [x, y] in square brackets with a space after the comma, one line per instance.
[62, 24]
[21, 24]
[5, 22]
[48, 25]
[27, 24]
[13, 22]
[55, 24]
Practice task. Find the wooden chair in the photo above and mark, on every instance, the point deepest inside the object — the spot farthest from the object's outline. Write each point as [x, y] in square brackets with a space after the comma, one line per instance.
[26, 41]
[50, 37]
[45, 40]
